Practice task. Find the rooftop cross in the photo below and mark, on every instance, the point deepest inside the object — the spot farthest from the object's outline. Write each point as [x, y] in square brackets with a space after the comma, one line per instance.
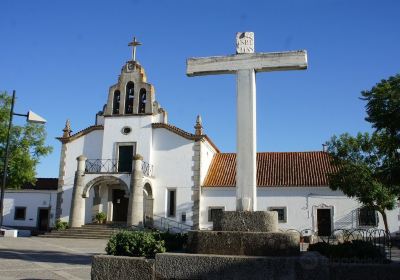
[245, 63]
[133, 44]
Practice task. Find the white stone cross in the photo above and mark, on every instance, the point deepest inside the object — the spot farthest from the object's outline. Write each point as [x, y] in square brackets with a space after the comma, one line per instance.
[245, 63]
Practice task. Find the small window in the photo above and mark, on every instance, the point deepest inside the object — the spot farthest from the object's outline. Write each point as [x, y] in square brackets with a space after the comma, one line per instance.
[367, 217]
[282, 216]
[19, 213]
[212, 211]
[171, 203]
[183, 217]
[126, 130]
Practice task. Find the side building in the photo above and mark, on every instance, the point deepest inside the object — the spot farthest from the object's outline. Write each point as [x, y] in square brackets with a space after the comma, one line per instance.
[32, 207]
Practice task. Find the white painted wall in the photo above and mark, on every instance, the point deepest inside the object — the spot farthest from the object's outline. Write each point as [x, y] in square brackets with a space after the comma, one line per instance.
[89, 145]
[32, 200]
[206, 155]
[301, 203]
[173, 162]
[141, 135]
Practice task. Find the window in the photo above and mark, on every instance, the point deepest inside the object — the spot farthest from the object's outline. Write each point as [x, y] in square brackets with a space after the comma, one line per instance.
[129, 95]
[142, 101]
[183, 217]
[367, 217]
[171, 203]
[19, 213]
[117, 97]
[282, 216]
[212, 211]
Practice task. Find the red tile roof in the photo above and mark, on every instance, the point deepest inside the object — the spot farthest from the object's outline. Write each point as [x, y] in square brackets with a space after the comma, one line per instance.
[274, 169]
[42, 184]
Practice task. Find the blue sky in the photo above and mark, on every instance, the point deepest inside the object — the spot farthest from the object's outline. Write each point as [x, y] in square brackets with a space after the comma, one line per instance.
[62, 56]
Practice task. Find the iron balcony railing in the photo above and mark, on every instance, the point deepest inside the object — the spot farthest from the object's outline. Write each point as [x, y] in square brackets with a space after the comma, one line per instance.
[95, 166]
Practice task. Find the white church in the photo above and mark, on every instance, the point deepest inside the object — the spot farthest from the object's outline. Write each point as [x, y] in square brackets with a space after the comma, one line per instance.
[133, 163]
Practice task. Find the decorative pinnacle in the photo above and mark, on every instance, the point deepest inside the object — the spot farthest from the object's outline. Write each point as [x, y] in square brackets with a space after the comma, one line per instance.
[67, 129]
[133, 44]
[199, 126]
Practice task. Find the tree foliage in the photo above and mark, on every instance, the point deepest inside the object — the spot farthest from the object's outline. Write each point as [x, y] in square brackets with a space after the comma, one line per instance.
[27, 146]
[368, 164]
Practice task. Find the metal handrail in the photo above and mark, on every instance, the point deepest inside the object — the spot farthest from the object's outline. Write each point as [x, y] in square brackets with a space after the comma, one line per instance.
[166, 224]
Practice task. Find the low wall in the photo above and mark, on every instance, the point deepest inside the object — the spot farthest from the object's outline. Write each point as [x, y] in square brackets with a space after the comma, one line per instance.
[117, 267]
[309, 265]
[350, 271]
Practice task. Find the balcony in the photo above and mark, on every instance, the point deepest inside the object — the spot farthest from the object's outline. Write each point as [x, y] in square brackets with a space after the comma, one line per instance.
[112, 166]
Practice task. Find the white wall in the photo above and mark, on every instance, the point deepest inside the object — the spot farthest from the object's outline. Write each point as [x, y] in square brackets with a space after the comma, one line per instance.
[173, 162]
[89, 145]
[301, 203]
[32, 200]
[206, 153]
[141, 134]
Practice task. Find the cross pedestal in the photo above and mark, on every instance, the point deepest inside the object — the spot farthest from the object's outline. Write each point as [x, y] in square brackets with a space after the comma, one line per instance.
[245, 63]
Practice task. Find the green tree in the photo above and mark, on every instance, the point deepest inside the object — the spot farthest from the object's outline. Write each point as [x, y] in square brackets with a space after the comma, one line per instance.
[359, 171]
[383, 109]
[368, 165]
[27, 146]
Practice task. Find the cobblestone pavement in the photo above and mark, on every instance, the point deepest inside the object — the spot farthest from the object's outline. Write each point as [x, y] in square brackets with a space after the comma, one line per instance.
[47, 258]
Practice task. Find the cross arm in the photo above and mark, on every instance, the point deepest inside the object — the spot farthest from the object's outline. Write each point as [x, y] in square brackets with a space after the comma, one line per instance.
[260, 62]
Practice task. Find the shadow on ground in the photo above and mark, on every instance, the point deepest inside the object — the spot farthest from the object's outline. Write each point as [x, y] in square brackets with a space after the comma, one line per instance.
[46, 256]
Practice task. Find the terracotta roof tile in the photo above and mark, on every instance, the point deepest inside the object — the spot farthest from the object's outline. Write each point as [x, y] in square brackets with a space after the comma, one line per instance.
[42, 184]
[273, 169]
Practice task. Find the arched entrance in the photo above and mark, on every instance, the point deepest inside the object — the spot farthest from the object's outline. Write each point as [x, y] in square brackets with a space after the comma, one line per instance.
[148, 204]
[110, 195]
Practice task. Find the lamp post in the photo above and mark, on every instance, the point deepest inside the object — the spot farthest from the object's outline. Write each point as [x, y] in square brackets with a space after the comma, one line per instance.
[30, 117]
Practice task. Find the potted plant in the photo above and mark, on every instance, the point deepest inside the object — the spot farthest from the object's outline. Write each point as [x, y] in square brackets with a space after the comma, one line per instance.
[101, 217]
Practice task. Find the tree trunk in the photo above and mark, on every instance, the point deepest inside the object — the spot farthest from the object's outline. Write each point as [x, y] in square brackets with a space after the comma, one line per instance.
[383, 213]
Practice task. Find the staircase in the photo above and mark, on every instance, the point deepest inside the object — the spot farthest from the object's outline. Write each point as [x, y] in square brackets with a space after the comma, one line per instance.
[89, 231]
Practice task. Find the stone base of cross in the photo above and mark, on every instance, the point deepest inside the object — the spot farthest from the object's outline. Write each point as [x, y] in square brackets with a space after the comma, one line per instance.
[245, 64]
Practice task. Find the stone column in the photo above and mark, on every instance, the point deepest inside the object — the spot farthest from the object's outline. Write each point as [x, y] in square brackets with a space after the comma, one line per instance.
[77, 214]
[135, 206]
[246, 177]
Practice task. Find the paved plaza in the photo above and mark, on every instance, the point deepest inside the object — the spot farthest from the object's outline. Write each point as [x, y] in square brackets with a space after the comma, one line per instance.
[47, 258]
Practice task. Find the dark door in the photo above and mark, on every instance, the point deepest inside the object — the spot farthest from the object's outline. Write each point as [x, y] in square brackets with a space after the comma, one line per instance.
[43, 219]
[125, 156]
[324, 222]
[120, 206]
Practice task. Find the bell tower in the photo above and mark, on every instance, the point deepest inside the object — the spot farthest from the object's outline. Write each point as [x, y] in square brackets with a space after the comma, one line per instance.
[132, 95]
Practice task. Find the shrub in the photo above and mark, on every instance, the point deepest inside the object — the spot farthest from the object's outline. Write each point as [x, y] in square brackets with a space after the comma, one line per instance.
[60, 225]
[173, 241]
[356, 249]
[134, 244]
[101, 217]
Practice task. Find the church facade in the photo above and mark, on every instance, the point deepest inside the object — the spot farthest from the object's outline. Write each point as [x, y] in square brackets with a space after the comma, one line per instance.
[137, 168]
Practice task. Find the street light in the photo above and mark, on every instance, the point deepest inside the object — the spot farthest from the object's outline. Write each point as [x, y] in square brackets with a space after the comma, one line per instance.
[30, 117]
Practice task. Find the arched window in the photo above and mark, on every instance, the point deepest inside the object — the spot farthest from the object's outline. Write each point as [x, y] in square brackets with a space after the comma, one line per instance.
[129, 95]
[142, 101]
[116, 100]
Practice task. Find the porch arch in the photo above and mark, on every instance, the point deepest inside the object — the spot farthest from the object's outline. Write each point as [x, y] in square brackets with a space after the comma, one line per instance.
[104, 179]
